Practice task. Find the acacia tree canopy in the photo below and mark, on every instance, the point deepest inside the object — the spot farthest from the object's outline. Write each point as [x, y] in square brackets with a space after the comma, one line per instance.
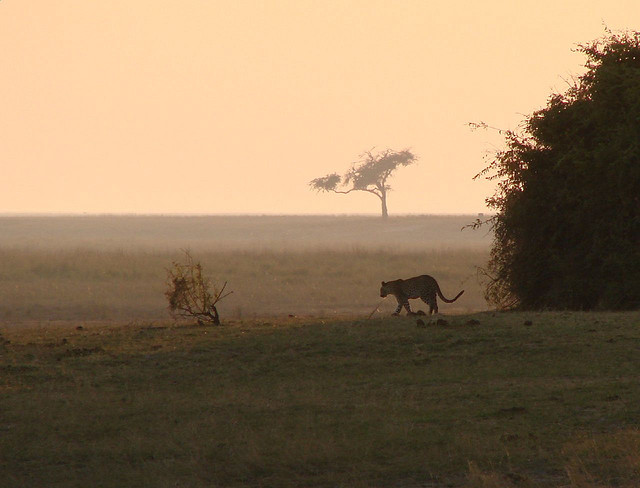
[369, 174]
[567, 228]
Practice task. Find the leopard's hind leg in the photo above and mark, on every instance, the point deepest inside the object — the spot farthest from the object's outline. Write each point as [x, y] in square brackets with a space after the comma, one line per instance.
[431, 301]
[407, 307]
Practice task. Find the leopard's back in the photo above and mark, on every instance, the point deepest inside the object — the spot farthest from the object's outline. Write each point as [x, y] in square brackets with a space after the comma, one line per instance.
[423, 286]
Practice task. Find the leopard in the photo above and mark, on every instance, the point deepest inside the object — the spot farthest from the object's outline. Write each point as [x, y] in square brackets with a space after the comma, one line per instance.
[424, 287]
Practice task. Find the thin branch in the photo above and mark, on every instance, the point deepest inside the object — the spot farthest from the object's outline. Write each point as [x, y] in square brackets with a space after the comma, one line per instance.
[375, 192]
[476, 224]
[219, 296]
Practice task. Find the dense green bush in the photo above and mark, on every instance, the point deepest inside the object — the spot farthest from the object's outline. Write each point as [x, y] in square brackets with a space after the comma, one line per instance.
[567, 229]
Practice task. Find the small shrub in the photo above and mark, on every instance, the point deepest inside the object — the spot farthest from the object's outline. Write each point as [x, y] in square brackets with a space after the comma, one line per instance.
[189, 294]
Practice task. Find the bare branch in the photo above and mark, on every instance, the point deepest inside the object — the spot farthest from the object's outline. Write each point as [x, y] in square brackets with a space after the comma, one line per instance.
[219, 296]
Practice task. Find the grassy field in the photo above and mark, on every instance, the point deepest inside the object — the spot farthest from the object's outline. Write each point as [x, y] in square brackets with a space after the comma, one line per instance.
[113, 285]
[99, 387]
[114, 268]
[486, 400]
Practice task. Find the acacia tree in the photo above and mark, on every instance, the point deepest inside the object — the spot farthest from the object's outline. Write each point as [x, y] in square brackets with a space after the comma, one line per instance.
[567, 228]
[369, 174]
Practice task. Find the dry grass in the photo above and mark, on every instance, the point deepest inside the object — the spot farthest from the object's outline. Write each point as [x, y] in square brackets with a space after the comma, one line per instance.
[604, 459]
[92, 284]
[595, 460]
[114, 267]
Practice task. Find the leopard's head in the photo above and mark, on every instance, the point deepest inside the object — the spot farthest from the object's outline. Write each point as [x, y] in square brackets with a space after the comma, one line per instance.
[384, 289]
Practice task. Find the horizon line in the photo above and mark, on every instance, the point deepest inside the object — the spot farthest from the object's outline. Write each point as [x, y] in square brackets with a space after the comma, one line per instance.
[228, 214]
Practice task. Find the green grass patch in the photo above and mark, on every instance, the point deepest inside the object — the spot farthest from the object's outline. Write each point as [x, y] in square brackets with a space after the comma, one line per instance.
[324, 403]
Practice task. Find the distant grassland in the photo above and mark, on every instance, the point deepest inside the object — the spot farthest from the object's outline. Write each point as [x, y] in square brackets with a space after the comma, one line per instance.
[167, 233]
[114, 268]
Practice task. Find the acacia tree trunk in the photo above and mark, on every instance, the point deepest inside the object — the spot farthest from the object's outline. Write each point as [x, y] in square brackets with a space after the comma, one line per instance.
[383, 200]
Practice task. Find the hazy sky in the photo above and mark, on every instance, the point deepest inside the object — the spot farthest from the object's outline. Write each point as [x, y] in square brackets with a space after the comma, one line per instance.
[233, 106]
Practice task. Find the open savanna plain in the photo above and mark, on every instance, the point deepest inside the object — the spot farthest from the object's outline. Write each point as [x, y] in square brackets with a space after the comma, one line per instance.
[309, 382]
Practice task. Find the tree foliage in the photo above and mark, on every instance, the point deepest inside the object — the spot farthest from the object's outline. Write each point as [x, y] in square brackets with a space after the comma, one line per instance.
[567, 228]
[370, 174]
[189, 292]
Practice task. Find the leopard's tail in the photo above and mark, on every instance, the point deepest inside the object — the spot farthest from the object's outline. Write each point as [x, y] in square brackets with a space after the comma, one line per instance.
[442, 297]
